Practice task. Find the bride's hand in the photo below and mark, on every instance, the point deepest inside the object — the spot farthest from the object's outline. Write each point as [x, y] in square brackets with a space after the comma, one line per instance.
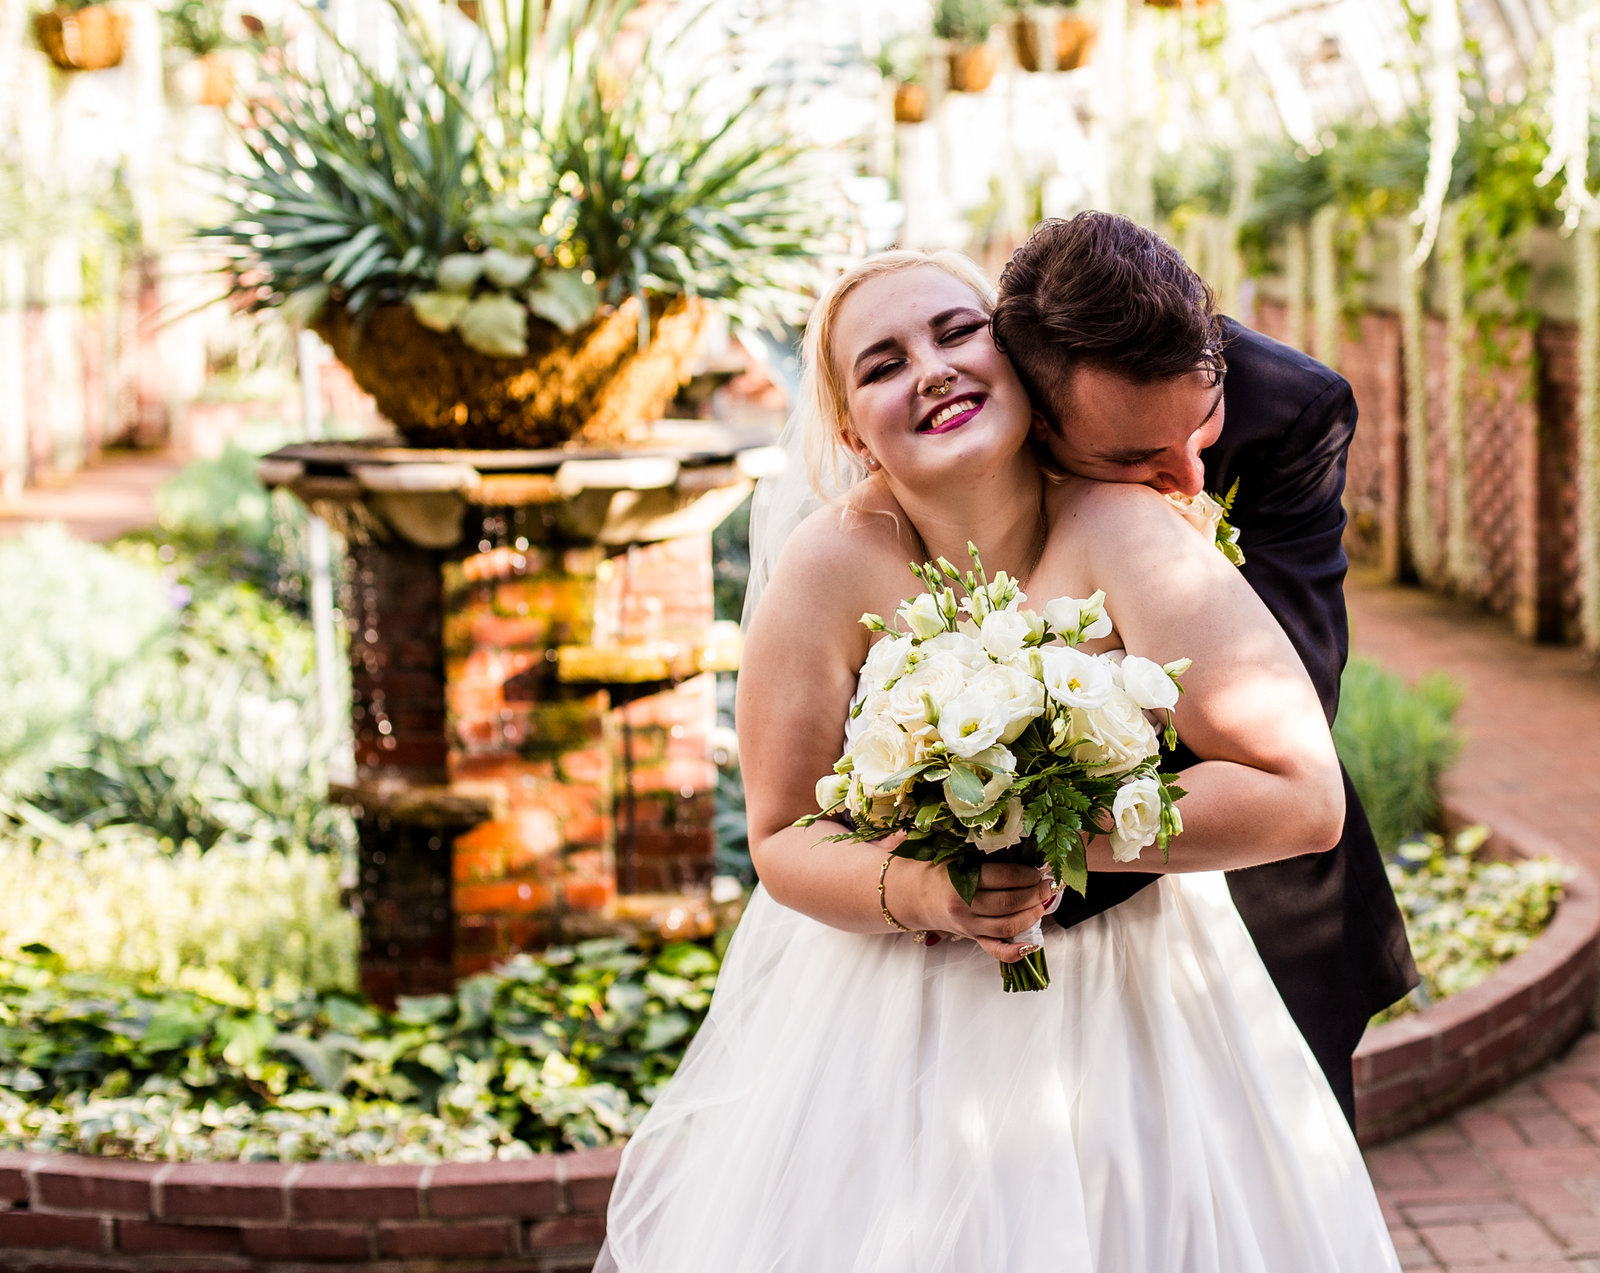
[1010, 900]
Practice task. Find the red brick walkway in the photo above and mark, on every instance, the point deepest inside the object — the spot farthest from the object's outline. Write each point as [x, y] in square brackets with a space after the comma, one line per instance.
[1513, 1184]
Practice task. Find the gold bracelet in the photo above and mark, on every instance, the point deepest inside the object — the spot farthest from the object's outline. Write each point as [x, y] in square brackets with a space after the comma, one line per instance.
[883, 904]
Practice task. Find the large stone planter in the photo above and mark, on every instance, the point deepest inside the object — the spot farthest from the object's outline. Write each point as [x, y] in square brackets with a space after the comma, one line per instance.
[593, 388]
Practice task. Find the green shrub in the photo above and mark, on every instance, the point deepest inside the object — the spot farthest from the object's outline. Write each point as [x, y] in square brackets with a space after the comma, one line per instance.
[216, 523]
[563, 1050]
[244, 924]
[61, 651]
[184, 704]
[1396, 741]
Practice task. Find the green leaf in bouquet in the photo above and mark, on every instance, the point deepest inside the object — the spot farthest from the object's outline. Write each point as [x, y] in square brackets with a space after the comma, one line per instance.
[927, 815]
[896, 780]
[965, 784]
[964, 870]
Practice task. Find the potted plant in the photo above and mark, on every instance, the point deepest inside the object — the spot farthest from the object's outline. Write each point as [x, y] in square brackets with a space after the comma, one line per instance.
[196, 28]
[509, 236]
[900, 62]
[1050, 37]
[81, 35]
[966, 24]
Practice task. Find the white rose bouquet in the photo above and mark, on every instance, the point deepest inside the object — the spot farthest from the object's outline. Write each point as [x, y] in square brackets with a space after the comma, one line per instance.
[982, 732]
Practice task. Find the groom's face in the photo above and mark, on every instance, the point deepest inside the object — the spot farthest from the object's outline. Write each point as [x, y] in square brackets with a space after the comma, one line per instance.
[1115, 429]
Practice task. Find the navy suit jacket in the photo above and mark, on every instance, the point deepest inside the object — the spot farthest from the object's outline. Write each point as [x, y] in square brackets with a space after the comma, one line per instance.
[1326, 924]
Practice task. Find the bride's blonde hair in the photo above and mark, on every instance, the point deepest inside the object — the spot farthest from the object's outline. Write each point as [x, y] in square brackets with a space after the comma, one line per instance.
[830, 466]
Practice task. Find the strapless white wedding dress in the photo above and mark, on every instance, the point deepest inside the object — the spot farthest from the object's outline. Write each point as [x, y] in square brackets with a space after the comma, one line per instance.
[863, 1104]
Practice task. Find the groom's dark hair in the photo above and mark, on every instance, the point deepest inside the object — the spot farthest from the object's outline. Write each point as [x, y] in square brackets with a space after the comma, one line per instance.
[1102, 291]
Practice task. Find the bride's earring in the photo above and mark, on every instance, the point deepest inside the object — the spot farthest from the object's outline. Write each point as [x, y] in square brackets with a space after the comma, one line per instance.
[870, 460]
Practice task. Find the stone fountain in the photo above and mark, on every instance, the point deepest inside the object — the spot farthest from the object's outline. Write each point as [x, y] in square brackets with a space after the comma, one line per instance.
[532, 659]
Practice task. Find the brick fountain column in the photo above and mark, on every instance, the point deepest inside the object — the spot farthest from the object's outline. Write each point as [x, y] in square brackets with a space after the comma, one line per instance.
[532, 651]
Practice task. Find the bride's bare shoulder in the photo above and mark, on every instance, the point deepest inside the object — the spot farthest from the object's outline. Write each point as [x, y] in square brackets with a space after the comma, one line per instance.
[1085, 507]
[844, 543]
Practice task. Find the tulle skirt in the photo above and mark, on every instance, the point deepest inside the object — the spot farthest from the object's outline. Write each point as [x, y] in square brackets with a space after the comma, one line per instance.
[862, 1104]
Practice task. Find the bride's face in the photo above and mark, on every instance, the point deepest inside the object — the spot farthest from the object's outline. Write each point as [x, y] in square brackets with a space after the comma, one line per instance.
[928, 394]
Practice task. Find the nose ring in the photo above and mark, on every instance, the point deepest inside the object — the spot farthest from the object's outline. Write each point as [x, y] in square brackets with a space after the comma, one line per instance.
[939, 391]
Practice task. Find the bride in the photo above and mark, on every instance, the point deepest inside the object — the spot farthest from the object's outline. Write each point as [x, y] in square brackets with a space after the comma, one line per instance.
[860, 1102]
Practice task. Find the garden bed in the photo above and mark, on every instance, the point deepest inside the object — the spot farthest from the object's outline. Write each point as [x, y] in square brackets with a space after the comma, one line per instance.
[545, 1213]
[1419, 1068]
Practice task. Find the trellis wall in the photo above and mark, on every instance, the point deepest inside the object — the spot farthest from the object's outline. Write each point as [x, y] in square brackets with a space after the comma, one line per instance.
[1468, 472]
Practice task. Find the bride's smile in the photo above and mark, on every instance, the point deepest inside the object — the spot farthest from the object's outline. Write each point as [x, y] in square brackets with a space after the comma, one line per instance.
[958, 413]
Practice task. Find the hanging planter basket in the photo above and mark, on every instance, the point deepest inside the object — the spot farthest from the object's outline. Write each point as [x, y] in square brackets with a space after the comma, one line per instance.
[216, 79]
[1066, 39]
[910, 103]
[89, 39]
[592, 388]
[972, 69]
[1074, 39]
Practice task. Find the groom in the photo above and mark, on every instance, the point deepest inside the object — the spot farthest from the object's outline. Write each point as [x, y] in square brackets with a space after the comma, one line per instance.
[1138, 379]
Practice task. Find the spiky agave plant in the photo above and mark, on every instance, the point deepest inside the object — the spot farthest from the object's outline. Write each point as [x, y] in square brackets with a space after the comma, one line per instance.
[516, 161]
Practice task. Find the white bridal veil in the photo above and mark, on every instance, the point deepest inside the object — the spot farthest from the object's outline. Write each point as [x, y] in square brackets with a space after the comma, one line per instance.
[786, 498]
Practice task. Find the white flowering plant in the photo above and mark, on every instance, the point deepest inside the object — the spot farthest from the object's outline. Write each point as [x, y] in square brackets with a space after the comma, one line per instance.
[1208, 514]
[984, 733]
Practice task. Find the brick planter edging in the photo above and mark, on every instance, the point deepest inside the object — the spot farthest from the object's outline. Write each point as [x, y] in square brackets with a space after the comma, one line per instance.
[1417, 1069]
[544, 1214]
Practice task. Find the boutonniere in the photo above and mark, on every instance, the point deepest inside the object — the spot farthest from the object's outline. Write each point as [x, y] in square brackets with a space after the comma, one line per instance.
[1208, 514]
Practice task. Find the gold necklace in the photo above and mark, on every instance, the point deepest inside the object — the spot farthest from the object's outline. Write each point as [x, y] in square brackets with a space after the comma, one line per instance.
[1041, 535]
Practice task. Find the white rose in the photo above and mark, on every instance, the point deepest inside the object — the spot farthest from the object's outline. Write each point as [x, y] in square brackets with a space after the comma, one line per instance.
[921, 615]
[865, 805]
[1200, 511]
[1076, 679]
[881, 751]
[1148, 684]
[1069, 614]
[960, 645]
[941, 676]
[997, 769]
[1021, 697]
[971, 722]
[832, 791]
[886, 661]
[1004, 833]
[1135, 818]
[1117, 735]
[1004, 631]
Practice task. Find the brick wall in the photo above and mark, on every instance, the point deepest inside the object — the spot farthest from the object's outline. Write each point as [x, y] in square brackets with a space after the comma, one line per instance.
[538, 1215]
[1519, 537]
[597, 789]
